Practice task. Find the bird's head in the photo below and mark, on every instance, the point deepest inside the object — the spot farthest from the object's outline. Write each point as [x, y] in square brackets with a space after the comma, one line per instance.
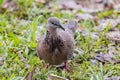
[54, 23]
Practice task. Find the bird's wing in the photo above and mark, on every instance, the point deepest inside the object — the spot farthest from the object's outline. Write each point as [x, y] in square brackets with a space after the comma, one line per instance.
[71, 25]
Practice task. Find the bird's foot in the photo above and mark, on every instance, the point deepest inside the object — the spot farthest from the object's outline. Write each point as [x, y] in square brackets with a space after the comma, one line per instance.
[67, 67]
[47, 66]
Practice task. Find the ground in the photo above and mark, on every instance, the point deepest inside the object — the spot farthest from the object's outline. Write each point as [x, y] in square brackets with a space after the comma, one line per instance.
[97, 47]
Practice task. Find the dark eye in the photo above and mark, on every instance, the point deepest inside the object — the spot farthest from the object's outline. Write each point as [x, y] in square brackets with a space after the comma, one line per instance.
[52, 23]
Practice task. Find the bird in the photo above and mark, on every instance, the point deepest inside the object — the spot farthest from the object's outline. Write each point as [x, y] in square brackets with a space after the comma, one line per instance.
[57, 45]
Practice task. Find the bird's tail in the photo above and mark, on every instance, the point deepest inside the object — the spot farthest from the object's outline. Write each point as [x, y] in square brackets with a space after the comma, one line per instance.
[71, 25]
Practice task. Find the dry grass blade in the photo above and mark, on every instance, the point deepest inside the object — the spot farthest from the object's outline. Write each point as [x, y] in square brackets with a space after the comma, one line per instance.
[55, 77]
[29, 75]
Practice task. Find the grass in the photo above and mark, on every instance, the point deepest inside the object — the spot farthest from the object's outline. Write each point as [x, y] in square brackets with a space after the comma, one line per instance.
[18, 36]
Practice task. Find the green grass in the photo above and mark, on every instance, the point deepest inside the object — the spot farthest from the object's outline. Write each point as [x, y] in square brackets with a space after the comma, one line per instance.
[19, 37]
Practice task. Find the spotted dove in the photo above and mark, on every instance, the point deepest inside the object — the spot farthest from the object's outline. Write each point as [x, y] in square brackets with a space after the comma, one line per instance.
[57, 45]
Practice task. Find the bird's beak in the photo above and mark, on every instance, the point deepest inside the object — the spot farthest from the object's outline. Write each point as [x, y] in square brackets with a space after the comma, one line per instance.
[61, 27]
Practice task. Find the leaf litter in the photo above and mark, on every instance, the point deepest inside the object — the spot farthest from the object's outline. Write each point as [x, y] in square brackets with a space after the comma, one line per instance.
[88, 12]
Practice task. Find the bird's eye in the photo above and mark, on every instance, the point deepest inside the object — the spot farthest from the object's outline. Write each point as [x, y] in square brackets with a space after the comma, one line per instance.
[52, 23]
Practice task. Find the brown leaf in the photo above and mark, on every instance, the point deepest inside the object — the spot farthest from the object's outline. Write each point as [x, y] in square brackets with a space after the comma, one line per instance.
[114, 36]
[113, 78]
[108, 57]
[108, 4]
[84, 17]
[96, 20]
[99, 57]
[102, 57]
[10, 4]
[71, 4]
[105, 22]
[112, 22]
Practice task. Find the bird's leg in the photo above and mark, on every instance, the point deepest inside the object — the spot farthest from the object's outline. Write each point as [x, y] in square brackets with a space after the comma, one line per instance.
[67, 67]
[47, 66]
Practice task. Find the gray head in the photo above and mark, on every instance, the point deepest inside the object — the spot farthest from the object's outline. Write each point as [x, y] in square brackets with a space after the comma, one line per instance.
[54, 23]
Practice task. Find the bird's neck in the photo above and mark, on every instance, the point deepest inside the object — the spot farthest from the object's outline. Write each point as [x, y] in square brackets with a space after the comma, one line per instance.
[52, 32]
[53, 41]
[50, 35]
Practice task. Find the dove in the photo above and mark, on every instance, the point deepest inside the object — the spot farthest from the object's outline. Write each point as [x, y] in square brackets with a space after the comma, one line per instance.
[57, 45]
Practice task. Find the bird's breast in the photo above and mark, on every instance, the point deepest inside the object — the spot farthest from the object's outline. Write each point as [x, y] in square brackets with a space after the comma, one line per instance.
[54, 42]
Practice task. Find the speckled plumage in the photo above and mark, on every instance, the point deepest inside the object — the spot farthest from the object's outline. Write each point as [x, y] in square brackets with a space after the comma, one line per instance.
[56, 46]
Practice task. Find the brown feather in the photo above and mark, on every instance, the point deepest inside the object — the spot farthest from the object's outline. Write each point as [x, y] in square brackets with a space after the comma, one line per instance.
[56, 46]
